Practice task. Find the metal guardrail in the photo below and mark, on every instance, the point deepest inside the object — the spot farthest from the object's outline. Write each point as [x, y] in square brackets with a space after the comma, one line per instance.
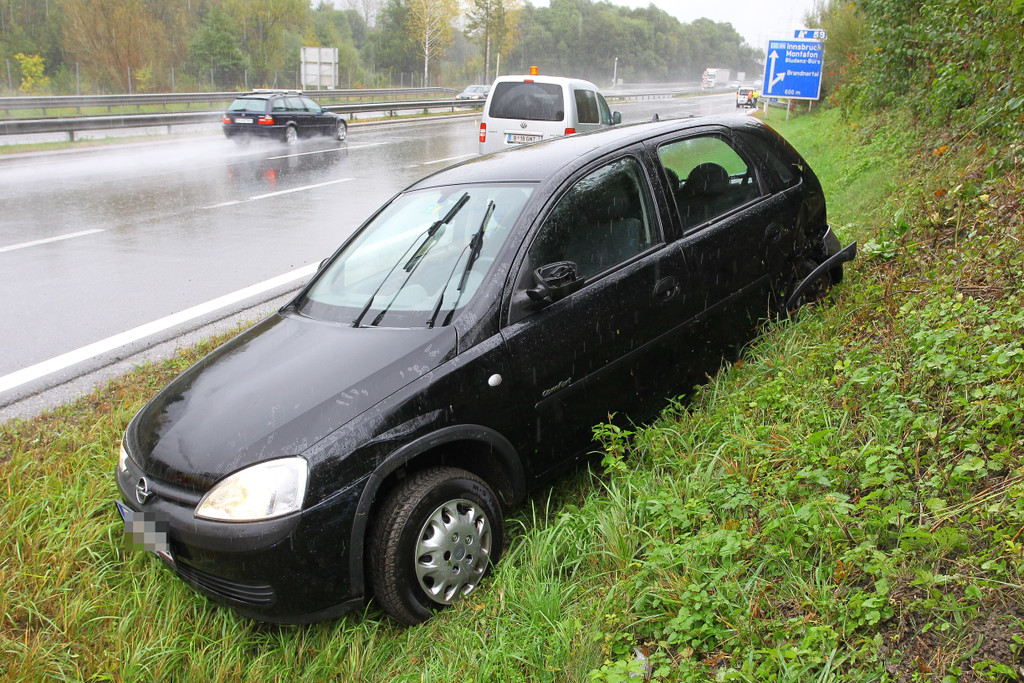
[79, 102]
[72, 125]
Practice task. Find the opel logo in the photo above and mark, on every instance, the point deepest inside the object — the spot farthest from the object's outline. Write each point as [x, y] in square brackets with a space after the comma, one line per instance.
[142, 492]
[523, 124]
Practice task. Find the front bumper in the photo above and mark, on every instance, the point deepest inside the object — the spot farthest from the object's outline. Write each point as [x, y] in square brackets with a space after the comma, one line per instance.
[293, 569]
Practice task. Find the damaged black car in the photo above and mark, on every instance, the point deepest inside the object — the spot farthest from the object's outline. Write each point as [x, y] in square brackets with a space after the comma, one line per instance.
[367, 439]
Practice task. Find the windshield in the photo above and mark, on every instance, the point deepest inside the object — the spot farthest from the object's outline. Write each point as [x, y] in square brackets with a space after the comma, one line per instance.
[420, 260]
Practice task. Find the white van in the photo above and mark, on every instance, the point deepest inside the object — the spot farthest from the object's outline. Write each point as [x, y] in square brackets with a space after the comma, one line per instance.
[529, 108]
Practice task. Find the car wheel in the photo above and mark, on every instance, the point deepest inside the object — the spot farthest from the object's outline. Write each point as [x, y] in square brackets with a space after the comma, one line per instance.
[291, 135]
[341, 132]
[432, 541]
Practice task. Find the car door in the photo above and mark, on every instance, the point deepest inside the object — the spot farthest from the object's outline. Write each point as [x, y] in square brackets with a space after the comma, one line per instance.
[575, 357]
[588, 113]
[320, 124]
[724, 227]
[302, 117]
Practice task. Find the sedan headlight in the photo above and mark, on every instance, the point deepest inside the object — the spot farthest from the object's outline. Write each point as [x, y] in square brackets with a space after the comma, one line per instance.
[263, 491]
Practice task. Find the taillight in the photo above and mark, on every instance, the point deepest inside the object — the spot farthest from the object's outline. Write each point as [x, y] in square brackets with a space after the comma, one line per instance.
[266, 120]
[570, 131]
[225, 119]
[483, 132]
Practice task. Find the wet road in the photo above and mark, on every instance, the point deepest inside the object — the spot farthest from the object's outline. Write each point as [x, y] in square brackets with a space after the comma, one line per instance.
[107, 252]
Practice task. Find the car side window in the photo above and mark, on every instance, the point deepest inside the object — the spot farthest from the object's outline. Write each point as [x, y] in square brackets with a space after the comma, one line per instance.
[603, 220]
[586, 106]
[707, 177]
[606, 112]
[279, 105]
[295, 104]
[311, 105]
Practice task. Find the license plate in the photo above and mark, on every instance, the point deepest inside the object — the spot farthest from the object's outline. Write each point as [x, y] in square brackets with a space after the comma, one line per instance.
[146, 531]
[243, 120]
[520, 138]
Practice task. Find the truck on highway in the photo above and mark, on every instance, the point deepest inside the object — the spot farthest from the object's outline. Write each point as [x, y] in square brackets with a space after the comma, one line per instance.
[714, 77]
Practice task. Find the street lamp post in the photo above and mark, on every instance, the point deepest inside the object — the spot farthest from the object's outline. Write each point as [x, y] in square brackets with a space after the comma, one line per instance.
[615, 73]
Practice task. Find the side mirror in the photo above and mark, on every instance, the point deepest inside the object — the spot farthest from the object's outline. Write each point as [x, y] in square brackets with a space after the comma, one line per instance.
[616, 118]
[555, 281]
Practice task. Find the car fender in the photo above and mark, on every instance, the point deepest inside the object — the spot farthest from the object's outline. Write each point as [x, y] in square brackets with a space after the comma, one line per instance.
[408, 453]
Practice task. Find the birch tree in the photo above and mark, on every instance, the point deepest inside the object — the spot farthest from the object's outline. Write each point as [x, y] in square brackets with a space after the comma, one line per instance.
[430, 23]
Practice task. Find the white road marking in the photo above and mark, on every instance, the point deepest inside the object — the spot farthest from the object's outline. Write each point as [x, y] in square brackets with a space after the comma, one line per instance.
[66, 360]
[438, 161]
[58, 238]
[276, 194]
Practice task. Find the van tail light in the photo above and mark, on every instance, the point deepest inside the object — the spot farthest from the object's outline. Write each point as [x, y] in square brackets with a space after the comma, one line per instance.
[225, 119]
[570, 131]
[483, 132]
[266, 120]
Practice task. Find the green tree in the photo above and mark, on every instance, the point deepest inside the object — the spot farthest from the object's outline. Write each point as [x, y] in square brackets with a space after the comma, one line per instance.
[265, 25]
[33, 68]
[216, 47]
[493, 23]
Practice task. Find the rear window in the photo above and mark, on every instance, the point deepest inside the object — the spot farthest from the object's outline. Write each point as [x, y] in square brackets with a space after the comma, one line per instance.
[528, 101]
[249, 104]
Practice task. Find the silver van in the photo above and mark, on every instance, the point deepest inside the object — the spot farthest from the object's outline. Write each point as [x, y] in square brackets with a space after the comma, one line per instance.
[532, 107]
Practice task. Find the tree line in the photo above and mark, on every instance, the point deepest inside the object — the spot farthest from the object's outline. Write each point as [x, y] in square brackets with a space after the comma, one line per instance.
[88, 46]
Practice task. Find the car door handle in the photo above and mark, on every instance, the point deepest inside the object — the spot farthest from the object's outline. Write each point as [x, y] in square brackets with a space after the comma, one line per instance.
[666, 288]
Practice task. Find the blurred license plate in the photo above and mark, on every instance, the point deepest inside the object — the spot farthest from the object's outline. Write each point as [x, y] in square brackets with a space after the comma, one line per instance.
[146, 531]
[520, 138]
[243, 120]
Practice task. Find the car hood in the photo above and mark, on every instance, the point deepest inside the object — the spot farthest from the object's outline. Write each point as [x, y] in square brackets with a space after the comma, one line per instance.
[274, 391]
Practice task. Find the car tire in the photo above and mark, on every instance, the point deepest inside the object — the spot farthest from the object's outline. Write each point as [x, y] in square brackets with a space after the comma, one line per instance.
[434, 538]
[291, 135]
[341, 132]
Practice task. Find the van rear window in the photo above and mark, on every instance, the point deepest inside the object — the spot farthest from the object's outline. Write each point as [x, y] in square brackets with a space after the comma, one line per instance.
[528, 101]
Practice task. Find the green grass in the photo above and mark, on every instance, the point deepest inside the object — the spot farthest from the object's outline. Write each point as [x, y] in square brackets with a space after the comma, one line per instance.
[845, 503]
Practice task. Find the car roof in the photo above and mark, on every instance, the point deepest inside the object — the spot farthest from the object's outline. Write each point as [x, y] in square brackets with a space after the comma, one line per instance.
[538, 78]
[539, 161]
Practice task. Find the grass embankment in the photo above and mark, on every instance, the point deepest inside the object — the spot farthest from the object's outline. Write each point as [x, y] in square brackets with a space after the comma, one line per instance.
[847, 503]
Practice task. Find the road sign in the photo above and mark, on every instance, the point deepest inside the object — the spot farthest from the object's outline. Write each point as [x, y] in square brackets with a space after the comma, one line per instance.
[793, 69]
[810, 34]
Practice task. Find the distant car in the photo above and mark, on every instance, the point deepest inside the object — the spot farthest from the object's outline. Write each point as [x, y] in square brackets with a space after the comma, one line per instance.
[746, 97]
[474, 92]
[455, 353]
[284, 115]
[528, 108]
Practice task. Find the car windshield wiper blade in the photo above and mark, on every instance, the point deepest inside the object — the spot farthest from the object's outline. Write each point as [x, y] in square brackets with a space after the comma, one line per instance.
[475, 245]
[433, 236]
[369, 302]
[432, 231]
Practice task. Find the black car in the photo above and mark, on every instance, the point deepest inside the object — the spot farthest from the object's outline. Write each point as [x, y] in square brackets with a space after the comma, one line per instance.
[284, 115]
[454, 353]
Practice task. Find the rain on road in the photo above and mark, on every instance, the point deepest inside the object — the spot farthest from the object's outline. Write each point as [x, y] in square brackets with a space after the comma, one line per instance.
[124, 246]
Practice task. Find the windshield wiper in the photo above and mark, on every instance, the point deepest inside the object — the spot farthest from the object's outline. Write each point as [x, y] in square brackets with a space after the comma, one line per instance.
[369, 302]
[433, 236]
[475, 245]
[432, 231]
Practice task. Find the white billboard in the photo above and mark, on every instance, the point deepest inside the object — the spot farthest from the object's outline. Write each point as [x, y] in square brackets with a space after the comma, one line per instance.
[319, 67]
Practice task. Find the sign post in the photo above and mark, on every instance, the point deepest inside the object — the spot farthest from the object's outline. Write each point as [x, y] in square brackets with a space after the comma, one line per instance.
[793, 69]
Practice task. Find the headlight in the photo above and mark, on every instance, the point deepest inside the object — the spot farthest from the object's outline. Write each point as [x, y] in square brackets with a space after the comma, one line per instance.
[122, 460]
[263, 491]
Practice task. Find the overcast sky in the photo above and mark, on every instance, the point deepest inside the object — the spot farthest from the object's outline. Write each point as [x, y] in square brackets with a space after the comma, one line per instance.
[758, 21]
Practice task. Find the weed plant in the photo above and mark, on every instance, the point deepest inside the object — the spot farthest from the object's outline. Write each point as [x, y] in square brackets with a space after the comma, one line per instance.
[846, 503]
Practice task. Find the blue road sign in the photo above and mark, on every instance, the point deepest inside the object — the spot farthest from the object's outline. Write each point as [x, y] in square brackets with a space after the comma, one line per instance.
[792, 69]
